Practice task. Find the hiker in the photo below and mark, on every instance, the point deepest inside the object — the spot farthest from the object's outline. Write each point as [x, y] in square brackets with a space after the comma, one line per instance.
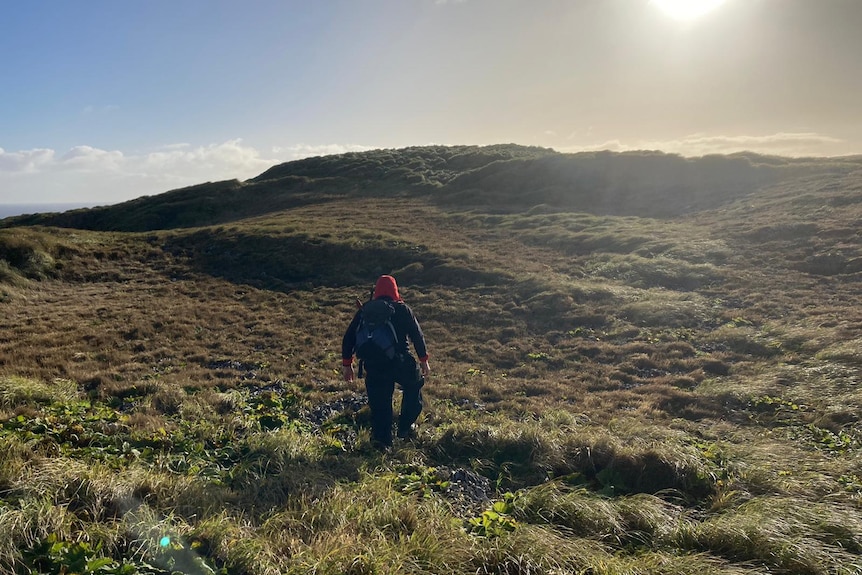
[387, 317]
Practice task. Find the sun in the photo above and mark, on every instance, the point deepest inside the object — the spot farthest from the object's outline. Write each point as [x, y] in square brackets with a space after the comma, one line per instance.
[687, 9]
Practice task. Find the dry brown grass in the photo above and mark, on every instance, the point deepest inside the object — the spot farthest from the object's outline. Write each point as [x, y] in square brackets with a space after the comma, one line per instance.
[708, 365]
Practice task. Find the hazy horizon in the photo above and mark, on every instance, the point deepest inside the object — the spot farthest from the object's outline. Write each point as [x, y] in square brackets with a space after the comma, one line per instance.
[8, 210]
[116, 101]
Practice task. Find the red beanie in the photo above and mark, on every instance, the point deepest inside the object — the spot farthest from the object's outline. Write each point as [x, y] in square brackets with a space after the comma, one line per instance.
[386, 286]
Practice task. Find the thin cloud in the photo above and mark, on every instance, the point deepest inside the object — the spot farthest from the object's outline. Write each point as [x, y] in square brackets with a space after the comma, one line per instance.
[93, 174]
[27, 161]
[91, 159]
[299, 151]
[781, 143]
[228, 157]
[86, 173]
[177, 146]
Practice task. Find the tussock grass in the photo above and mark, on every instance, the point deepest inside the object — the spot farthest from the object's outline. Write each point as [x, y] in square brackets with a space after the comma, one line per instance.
[609, 394]
[27, 255]
[16, 455]
[660, 308]
[233, 541]
[25, 525]
[663, 272]
[745, 340]
[580, 511]
[9, 277]
[789, 536]
[20, 391]
[524, 453]
[536, 550]
[370, 528]
[848, 351]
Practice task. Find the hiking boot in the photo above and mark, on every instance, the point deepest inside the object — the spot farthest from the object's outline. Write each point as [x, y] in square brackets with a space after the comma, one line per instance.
[381, 447]
[407, 433]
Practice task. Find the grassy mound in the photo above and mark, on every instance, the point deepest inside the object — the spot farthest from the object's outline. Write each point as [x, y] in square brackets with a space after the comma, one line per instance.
[611, 393]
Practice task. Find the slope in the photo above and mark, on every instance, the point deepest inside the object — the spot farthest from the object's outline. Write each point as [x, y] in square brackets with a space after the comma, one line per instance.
[505, 177]
[611, 394]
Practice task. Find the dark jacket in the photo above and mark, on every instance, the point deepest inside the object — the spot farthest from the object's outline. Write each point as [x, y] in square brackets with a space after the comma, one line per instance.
[405, 324]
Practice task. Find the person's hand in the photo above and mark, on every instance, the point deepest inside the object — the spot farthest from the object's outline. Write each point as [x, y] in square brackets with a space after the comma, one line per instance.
[348, 372]
[424, 368]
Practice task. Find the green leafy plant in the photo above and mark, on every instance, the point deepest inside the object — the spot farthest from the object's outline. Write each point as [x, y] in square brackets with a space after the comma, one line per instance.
[780, 409]
[420, 480]
[56, 557]
[612, 482]
[839, 442]
[495, 521]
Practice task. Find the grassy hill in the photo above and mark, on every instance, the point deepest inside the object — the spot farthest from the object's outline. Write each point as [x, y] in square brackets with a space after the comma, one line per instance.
[641, 364]
[497, 178]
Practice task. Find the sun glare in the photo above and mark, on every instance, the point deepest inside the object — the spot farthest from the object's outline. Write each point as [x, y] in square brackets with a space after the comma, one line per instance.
[687, 9]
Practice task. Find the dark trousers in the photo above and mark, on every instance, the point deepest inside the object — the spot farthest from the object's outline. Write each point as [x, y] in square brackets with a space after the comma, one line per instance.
[380, 385]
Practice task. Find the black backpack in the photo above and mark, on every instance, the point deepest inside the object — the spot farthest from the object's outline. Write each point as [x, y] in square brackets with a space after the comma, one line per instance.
[376, 340]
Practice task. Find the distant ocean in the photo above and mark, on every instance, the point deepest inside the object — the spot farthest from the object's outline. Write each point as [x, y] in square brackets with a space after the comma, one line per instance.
[9, 210]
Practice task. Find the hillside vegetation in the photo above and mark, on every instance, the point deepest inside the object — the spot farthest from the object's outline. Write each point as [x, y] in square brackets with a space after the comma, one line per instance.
[642, 364]
[496, 178]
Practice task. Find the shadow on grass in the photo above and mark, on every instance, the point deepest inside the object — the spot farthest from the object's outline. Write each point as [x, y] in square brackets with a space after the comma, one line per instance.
[285, 263]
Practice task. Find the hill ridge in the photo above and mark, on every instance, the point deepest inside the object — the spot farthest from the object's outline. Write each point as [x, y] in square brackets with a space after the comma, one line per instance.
[505, 178]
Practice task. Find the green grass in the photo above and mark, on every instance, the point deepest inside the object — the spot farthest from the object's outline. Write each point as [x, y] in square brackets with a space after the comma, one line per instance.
[610, 393]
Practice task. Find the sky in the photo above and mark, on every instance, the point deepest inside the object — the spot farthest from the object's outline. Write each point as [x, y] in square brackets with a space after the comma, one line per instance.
[102, 101]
